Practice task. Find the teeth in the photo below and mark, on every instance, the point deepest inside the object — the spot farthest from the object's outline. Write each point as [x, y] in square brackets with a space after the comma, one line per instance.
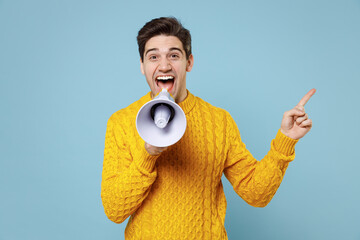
[165, 78]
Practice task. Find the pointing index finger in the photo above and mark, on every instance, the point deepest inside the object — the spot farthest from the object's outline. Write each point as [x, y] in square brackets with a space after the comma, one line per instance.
[306, 98]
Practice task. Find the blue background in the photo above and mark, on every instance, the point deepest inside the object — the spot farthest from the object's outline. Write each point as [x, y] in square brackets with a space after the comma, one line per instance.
[66, 66]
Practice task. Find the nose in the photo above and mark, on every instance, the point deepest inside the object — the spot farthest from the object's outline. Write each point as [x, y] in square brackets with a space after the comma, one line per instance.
[164, 65]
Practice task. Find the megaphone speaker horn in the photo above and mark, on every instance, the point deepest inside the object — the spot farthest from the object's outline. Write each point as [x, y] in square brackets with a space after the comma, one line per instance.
[162, 113]
[161, 122]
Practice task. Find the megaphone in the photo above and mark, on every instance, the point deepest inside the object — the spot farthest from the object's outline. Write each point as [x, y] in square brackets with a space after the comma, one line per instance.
[161, 122]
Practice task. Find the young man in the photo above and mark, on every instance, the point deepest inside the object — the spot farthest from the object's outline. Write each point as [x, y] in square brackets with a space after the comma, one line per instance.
[176, 192]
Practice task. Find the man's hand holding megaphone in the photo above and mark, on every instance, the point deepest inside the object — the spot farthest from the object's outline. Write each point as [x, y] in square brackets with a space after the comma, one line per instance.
[152, 150]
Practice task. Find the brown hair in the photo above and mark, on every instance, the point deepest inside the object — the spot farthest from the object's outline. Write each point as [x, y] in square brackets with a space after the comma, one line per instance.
[168, 26]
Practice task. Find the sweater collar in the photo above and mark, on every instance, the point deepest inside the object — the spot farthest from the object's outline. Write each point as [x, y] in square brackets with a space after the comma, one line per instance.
[187, 105]
[189, 102]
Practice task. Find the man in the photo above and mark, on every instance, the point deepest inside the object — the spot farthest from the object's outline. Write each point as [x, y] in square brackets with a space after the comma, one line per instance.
[176, 192]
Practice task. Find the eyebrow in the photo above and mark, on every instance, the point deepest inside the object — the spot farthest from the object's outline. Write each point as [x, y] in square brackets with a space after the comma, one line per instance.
[151, 49]
[175, 48]
[156, 49]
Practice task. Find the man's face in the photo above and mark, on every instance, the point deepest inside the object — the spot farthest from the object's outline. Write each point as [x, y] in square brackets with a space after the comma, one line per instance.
[165, 66]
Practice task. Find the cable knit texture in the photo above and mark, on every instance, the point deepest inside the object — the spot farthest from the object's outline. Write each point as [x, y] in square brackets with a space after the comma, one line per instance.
[179, 194]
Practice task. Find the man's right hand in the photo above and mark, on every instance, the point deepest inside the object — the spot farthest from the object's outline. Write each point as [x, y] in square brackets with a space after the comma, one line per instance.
[152, 150]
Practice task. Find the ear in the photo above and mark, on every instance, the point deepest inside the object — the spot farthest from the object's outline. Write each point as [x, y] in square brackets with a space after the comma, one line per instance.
[142, 67]
[190, 63]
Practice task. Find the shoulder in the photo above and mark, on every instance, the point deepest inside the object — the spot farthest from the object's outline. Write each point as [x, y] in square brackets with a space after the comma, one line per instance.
[128, 114]
[206, 106]
[216, 114]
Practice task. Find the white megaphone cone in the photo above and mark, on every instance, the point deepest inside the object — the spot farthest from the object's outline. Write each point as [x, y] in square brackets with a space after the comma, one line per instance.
[161, 122]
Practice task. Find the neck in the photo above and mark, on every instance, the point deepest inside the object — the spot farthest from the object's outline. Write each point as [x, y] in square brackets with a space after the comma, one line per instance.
[182, 97]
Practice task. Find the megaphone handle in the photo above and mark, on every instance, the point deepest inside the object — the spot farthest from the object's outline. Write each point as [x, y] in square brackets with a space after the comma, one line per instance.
[152, 111]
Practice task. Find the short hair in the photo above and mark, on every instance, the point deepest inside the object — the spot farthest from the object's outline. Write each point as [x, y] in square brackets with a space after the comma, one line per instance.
[168, 26]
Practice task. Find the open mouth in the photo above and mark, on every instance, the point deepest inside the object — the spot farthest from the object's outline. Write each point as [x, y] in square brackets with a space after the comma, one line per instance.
[165, 82]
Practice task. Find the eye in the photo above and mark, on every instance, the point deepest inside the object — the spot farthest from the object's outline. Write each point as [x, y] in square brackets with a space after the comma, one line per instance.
[152, 57]
[174, 56]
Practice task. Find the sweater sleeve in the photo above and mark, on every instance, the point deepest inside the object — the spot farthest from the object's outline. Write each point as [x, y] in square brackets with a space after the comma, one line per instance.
[126, 182]
[257, 181]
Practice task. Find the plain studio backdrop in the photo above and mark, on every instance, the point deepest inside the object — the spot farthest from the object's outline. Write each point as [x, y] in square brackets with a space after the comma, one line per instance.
[66, 66]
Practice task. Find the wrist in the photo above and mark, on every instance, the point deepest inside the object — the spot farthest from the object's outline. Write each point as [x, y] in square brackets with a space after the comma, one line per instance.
[284, 144]
[146, 161]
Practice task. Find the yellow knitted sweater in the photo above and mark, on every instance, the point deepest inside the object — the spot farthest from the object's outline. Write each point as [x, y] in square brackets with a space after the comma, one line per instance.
[179, 194]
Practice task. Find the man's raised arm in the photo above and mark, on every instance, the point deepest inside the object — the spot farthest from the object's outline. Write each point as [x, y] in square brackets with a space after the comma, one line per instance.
[257, 181]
